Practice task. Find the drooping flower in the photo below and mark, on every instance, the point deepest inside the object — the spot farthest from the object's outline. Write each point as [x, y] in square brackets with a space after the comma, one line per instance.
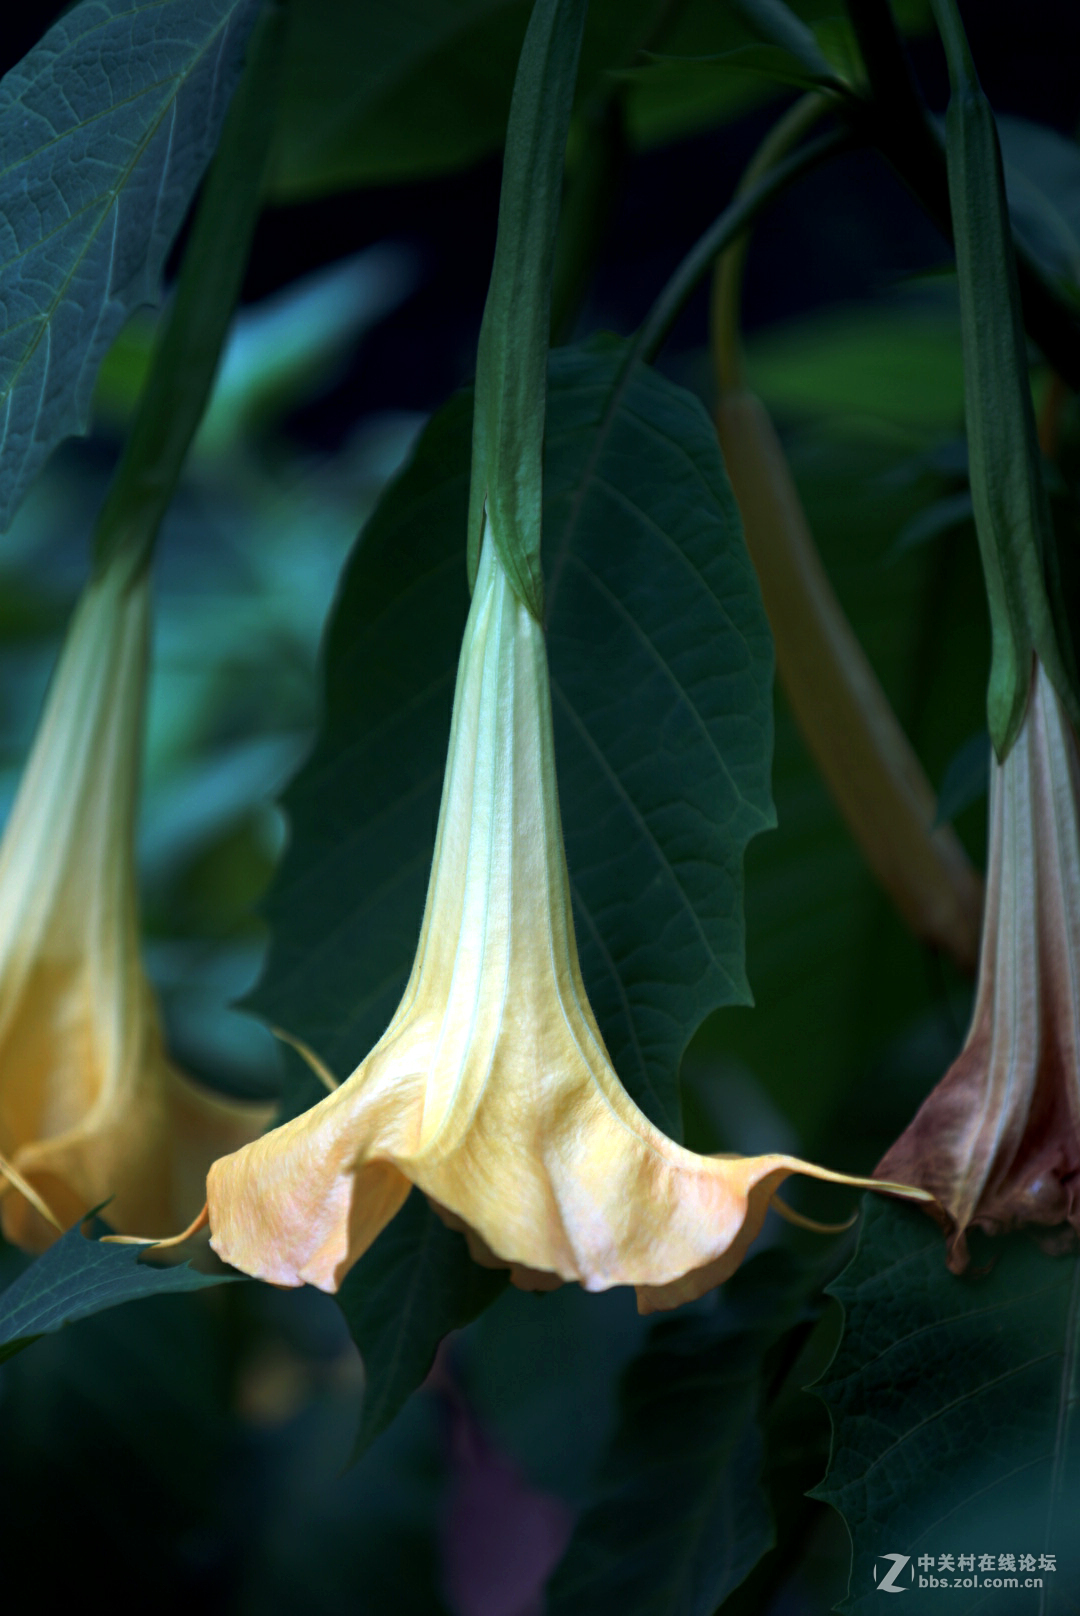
[491, 1088]
[855, 738]
[91, 1108]
[997, 1142]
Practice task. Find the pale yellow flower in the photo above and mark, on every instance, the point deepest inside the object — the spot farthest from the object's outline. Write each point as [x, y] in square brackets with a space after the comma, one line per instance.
[998, 1140]
[91, 1108]
[491, 1088]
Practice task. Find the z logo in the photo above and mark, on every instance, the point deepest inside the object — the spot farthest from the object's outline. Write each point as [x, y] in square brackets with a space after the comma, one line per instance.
[888, 1584]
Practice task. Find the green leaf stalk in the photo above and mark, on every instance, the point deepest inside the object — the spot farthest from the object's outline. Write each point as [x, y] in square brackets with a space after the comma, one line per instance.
[511, 361]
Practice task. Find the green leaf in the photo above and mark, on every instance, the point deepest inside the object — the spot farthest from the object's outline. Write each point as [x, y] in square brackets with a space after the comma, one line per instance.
[661, 666]
[1042, 178]
[185, 359]
[78, 1276]
[945, 515]
[761, 60]
[680, 1515]
[541, 1373]
[779, 26]
[106, 128]
[505, 492]
[878, 370]
[954, 1407]
[411, 1288]
[966, 779]
[378, 94]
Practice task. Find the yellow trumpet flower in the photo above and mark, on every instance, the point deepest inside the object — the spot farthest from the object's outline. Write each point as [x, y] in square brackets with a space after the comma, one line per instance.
[491, 1088]
[997, 1142]
[91, 1108]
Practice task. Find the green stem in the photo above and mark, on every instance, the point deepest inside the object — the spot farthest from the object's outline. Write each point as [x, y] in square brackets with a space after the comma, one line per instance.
[719, 236]
[1012, 512]
[788, 130]
[506, 484]
[958, 55]
[186, 356]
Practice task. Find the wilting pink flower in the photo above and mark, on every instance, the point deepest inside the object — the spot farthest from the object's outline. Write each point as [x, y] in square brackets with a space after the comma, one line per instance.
[998, 1141]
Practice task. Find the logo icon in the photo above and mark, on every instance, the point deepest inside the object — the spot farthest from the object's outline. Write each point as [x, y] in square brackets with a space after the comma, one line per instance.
[889, 1583]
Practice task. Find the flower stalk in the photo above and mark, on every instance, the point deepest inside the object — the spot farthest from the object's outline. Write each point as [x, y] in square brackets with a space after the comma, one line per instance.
[511, 358]
[1012, 511]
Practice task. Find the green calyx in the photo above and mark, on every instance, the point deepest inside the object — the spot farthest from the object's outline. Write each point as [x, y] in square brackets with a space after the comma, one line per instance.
[511, 362]
[1012, 512]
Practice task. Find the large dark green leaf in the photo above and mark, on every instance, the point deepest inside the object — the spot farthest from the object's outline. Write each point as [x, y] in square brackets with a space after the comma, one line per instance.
[106, 128]
[78, 1276]
[541, 1373]
[412, 1287]
[661, 663]
[661, 672]
[378, 93]
[954, 1407]
[680, 1516]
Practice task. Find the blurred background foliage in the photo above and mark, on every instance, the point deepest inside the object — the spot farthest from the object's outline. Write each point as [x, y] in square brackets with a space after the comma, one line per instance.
[197, 1447]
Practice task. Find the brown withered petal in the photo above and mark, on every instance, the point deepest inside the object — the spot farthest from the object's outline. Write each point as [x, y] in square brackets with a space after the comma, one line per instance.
[998, 1140]
[91, 1109]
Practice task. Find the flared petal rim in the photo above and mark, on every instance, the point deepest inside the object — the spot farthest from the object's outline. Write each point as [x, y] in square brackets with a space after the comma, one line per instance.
[491, 1090]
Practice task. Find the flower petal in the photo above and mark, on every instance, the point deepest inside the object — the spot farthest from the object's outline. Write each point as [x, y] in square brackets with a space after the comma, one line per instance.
[998, 1139]
[91, 1110]
[491, 1089]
